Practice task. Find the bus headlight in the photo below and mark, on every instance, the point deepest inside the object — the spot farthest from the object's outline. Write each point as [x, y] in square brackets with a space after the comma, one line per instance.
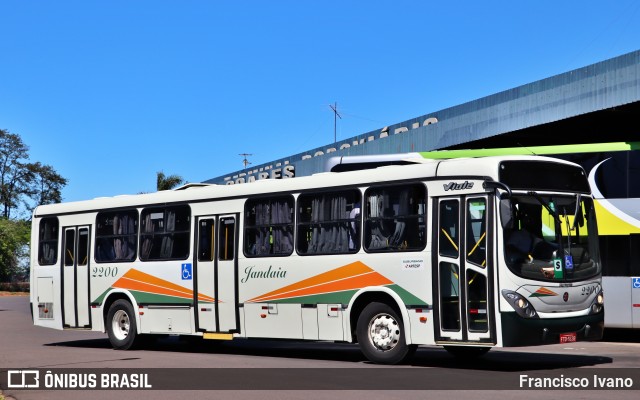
[598, 304]
[522, 303]
[522, 307]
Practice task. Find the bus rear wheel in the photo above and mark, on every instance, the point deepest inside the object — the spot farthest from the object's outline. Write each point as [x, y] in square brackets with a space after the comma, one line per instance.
[381, 335]
[121, 325]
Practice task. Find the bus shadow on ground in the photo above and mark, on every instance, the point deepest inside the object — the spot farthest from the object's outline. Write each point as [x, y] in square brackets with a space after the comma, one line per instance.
[508, 361]
[433, 357]
[84, 343]
[619, 335]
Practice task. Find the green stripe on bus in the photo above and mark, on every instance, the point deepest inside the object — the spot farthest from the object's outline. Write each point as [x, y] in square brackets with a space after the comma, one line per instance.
[100, 298]
[143, 297]
[343, 297]
[407, 297]
[533, 150]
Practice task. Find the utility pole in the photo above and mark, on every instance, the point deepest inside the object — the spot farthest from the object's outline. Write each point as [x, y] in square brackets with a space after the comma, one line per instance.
[336, 115]
[245, 162]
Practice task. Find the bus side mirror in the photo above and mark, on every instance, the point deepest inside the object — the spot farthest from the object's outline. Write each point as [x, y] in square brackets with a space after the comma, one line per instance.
[578, 219]
[507, 217]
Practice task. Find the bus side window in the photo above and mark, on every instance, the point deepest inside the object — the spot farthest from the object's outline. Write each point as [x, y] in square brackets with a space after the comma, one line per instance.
[205, 240]
[48, 241]
[449, 231]
[329, 223]
[116, 235]
[165, 233]
[395, 218]
[476, 229]
[69, 244]
[226, 239]
[268, 227]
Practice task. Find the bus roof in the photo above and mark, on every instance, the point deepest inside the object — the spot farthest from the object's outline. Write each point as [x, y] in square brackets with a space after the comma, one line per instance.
[483, 167]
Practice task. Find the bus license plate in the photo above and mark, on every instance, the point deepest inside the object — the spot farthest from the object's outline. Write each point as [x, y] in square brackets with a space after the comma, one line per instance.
[568, 337]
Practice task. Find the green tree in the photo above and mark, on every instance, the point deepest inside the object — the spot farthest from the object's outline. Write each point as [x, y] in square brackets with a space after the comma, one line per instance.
[47, 184]
[16, 175]
[168, 182]
[23, 185]
[14, 247]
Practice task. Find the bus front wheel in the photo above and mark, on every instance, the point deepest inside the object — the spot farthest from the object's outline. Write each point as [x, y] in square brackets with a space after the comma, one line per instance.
[121, 325]
[381, 335]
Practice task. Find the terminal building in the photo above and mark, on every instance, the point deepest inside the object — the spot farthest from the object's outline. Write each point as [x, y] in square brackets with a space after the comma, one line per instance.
[594, 104]
[589, 115]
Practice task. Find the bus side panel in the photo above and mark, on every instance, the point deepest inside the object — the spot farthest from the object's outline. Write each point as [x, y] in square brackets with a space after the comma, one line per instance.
[47, 311]
[160, 319]
[421, 326]
[310, 329]
[331, 322]
[273, 320]
[618, 302]
[97, 319]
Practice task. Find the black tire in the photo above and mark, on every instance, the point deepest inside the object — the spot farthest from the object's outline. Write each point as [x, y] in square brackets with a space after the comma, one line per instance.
[381, 335]
[121, 326]
[467, 353]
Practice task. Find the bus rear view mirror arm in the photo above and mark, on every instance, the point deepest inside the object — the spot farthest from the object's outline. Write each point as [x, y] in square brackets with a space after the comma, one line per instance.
[506, 206]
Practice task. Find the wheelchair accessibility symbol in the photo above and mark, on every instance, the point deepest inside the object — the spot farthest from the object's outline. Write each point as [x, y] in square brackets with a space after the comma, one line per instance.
[636, 283]
[186, 272]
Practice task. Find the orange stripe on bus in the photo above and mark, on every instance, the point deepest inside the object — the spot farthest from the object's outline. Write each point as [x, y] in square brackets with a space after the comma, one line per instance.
[347, 271]
[369, 279]
[204, 297]
[544, 290]
[140, 281]
[144, 277]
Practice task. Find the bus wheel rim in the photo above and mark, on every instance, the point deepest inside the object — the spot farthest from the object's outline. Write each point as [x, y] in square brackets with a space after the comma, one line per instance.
[121, 325]
[384, 332]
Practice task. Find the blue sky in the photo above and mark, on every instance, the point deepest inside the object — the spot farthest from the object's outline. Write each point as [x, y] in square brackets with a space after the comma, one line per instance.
[110, 92]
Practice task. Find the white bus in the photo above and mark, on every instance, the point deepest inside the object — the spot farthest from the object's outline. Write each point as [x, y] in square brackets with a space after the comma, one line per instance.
[468, 254]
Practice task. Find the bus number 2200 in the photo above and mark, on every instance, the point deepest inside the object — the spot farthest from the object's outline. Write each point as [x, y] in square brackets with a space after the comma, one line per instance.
[104, 272]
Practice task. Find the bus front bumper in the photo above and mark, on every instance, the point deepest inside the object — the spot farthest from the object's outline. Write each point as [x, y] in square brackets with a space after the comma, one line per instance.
[518, 331]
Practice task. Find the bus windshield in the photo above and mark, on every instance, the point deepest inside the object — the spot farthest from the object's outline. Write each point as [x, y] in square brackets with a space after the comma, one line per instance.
[554, 238]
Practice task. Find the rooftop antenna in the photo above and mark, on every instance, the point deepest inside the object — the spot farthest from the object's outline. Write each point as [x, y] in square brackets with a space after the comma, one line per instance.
[245, 161]
[336, 115]
[526, 148]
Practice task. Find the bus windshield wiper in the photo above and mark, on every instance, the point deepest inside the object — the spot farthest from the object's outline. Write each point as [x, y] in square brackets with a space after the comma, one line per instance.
[551, 211]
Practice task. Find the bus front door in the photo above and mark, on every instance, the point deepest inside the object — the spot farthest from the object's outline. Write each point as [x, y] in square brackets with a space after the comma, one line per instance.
[463, 271]
[216, 267]
[74, 271]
